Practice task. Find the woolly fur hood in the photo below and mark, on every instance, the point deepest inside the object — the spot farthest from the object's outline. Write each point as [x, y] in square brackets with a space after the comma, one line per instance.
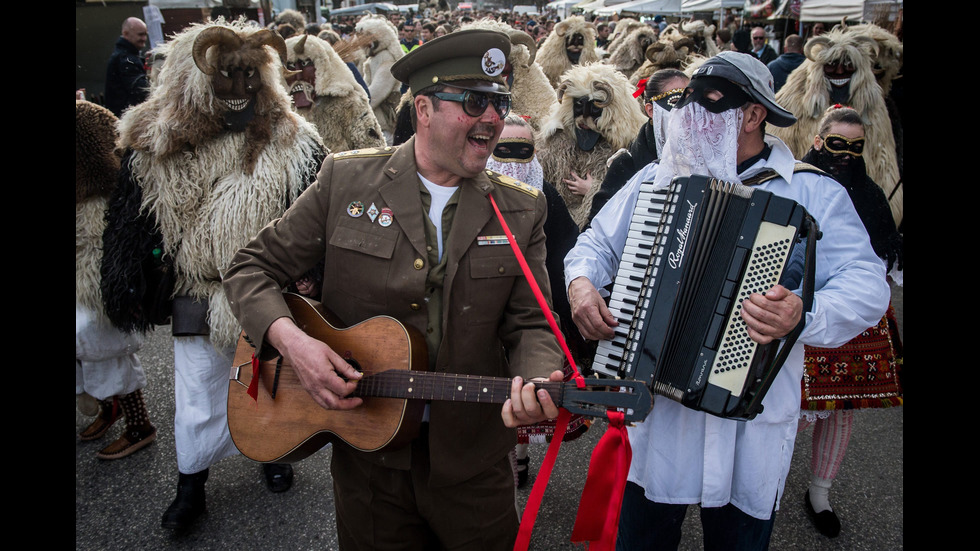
[333, 78]
[383, 32]
[182, 110]
[620, 120]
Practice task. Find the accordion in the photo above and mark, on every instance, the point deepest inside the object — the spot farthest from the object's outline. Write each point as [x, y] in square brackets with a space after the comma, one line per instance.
[695, 250]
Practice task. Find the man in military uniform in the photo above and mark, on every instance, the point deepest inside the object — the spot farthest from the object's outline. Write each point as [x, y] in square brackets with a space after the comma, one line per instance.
[410, 232]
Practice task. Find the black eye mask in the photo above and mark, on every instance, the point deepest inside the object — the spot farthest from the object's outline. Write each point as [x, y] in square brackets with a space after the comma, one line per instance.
[700, 87]
[585, 107]
[669, 99]
[514, 150]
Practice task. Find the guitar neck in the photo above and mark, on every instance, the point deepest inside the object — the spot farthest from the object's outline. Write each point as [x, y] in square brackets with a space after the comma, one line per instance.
[424, 385]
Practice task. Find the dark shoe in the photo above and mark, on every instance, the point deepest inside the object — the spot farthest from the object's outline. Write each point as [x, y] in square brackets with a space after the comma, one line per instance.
[131, 441]
[278, 476]
[522, 470]
[189, 503]
[826, 522]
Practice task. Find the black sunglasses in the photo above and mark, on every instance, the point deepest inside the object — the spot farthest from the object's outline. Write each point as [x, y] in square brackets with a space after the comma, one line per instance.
[475, 103]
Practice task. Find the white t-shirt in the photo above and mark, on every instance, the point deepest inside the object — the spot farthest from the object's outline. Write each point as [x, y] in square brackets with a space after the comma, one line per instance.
[440, 196]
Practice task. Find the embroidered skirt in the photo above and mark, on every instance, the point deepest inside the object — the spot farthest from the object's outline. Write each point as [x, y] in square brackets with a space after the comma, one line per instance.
[864, 373]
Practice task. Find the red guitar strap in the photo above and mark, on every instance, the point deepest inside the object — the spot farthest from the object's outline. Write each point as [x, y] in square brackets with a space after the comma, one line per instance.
[598, 516]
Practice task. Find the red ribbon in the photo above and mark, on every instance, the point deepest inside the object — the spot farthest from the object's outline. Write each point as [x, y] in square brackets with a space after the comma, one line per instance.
[598, 513]
[641, 87]
[253, 385]
[613, 450]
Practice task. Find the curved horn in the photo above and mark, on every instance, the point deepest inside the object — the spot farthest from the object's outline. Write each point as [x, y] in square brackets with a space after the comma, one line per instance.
[223, 37]
[300, 44]
[652, 50]
[605, 87]
[521, 37]
[561, 90]
[871, 43]
[265, 37]
[817, 42]
[561, 27]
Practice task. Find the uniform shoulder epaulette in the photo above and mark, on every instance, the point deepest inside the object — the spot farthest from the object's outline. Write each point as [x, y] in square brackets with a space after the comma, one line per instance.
[507, 181]
[364, 153]
[807, 167]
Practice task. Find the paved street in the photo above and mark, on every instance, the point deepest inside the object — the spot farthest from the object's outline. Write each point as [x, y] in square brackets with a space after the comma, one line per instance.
[118, 504]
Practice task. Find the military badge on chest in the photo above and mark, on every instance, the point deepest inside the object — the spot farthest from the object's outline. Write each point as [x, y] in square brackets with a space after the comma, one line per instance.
[384, 216]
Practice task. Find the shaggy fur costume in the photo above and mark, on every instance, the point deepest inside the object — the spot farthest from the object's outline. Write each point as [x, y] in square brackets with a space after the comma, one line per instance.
[618, 124]
[701, 33]
[553, 57]
[96, 169]
[532, 93]
[623, 27]
[105, 358]
[887, 62]
[382, 53]
[341, 111]
[807, 95]
[293, 18]
[887, 66]
[197, 190]
[665, 54]
[629, 54]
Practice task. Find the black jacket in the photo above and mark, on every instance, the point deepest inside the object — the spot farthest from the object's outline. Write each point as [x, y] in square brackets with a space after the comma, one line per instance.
[782, 66]
[126, 82]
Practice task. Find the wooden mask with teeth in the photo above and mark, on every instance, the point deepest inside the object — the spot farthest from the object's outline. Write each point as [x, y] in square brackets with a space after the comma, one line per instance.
[233, 63]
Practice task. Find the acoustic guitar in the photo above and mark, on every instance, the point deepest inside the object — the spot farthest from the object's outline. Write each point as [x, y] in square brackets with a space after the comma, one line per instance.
[284, 424]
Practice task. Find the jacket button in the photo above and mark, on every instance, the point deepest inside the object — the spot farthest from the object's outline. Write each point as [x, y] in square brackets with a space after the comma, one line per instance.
[501, 270]
[419, 264]
[415, 306]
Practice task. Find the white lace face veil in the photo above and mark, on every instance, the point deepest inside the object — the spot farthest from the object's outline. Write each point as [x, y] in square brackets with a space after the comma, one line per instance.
[659, 117]
[700, 142]
[530, 172]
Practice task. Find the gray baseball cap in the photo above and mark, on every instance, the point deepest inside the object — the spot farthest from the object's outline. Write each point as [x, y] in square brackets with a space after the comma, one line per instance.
[752, 76]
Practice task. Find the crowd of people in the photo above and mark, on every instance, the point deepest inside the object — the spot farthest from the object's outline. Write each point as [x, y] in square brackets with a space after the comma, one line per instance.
[386, 165]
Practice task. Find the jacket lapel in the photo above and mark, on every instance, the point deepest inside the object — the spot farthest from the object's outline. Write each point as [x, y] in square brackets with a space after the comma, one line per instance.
[472, 214]
[401, 195]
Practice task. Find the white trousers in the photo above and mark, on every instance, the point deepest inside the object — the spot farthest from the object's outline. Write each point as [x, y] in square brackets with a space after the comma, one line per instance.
[106, 364]
[201, 399]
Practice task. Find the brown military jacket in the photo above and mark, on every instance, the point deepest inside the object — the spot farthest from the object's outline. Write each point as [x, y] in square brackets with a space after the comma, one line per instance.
[491, 322]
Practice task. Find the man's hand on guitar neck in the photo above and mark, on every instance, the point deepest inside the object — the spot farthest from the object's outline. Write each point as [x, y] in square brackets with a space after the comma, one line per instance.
[526, 405]
[324, 373]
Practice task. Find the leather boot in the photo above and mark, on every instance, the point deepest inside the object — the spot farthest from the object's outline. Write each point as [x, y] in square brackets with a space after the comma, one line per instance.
[189, 503]
[139, 431]
[109, 412]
